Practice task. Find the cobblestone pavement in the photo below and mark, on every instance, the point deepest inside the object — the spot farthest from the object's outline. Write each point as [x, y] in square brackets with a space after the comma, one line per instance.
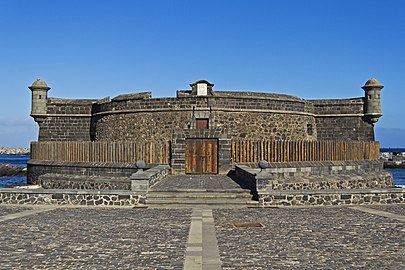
[398, 209]
[309, 238]
[9, 209]
[96, 238]
[207, 182]
[157, 238]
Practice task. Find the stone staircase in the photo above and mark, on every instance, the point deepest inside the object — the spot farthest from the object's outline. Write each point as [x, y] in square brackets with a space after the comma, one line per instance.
[199, 197]
[191, 190]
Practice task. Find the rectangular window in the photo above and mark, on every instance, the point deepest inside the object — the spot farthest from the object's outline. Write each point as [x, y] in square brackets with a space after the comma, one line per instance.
[309, 129]
[201, 123]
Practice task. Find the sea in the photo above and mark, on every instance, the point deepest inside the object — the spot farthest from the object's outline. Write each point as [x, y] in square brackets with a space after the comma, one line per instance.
[10, 181]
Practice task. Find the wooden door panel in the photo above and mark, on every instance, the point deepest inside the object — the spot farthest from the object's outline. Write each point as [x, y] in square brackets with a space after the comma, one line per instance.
[201, 156]
[191, 156]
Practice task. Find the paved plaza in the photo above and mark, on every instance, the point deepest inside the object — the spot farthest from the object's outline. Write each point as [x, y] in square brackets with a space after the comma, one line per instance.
[61, 237]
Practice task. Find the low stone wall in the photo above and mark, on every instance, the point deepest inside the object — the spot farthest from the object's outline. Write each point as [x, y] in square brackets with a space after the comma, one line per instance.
[247, 175]
[317, 175]
[340, 181]
[141, 181]
[36, 168]
[332, 197]
[285, 169]
[157, 174]
[58, 181]
[150, 177]
[69, 197]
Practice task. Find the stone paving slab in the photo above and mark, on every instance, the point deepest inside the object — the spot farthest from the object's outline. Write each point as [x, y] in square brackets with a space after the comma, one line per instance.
[392, 208]
[7, 210]
[198, 182]
[160, 238]
[96, 238]
[309, 238]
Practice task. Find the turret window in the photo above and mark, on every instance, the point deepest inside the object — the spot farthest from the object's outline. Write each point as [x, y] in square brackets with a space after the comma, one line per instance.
[40, 97]
[309, 129]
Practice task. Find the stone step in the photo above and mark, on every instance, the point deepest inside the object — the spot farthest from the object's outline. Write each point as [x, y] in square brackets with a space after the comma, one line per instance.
[207, 195]
[199, 201]
[199, 197]
[200, 190]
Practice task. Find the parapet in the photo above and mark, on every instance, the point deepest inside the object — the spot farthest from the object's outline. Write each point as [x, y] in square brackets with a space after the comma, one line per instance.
[133, 96]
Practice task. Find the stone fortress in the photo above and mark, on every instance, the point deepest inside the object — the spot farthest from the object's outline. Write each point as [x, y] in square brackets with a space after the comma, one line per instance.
[240, 114]
[302, 144]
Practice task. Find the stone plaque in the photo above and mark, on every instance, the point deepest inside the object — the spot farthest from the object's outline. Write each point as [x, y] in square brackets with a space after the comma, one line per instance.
[202, 89]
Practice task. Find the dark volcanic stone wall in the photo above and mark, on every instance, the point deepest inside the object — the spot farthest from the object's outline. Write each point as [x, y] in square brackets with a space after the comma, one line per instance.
[341, 119]
[258, 117]
[160, 125]
[67, 120]
[244, 115]
[65, 129]
[141, 126]
[344, 128]
[270, 126]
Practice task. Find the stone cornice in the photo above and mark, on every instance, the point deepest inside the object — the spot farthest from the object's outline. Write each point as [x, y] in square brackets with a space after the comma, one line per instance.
[201, 109]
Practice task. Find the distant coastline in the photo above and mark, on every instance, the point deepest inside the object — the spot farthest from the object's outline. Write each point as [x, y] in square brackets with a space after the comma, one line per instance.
[392, 149]
[14, 151]
[394, 158]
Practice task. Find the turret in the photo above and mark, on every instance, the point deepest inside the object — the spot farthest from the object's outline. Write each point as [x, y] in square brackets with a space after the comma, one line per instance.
[39, 91]
[372, 100]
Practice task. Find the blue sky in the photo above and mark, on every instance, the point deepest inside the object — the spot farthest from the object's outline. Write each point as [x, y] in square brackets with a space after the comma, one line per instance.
[92, 49]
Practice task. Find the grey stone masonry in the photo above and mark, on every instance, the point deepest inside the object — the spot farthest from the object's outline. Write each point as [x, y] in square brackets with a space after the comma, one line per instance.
[69, 197]
[60, 181]
[138, 116]
[332, 197]
[316, 175]
[142, 180]
[342, 119]
[36, 168]
[39, 91]
[372, 106]
[179, 144]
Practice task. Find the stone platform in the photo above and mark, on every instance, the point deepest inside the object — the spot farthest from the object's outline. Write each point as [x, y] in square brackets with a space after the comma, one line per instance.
[61, 237]
[204, 182]
[201, 190]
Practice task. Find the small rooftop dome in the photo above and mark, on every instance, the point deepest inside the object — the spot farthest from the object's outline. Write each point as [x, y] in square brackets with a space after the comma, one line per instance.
[372, 83]
[39, 84]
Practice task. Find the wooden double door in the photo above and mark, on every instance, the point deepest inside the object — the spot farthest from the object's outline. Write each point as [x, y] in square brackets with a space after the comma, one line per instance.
[201, 156]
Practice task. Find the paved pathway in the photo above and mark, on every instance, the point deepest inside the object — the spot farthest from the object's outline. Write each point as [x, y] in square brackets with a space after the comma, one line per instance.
[27, 212]
[202, 247]
[366, 237]
[202, 182]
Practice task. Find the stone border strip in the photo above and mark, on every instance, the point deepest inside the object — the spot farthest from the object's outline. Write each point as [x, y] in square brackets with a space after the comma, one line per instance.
[202, 247]
[332, 197]
[70, 197]
[379, 213]
[25, 213]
